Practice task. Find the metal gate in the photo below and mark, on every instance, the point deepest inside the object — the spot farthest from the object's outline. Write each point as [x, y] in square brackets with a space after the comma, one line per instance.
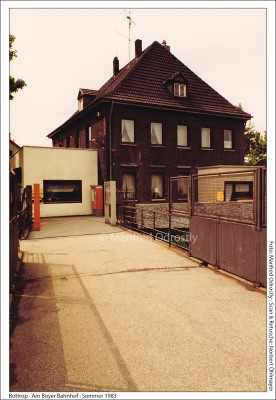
[228, 222]
[219, 218]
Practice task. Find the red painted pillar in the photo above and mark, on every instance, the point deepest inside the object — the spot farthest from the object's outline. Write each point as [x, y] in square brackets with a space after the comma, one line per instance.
[97, 203]
[99, 198]
[36, 207]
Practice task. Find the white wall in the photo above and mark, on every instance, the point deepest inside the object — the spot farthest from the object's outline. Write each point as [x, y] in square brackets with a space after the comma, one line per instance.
[57, 163]
[220, 169]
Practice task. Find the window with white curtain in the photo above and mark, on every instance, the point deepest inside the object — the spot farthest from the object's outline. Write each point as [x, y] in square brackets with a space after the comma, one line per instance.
[182, 136]
[157, 186]
[127, 131]
[205, 138]
[156, 133]
[128, 186]
[228, 139]
[180, 89]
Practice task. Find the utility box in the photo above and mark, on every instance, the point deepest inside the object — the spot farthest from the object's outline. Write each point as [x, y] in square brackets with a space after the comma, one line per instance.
[110, 202]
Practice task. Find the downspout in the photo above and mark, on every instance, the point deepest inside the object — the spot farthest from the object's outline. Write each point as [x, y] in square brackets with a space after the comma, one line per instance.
[110, 141]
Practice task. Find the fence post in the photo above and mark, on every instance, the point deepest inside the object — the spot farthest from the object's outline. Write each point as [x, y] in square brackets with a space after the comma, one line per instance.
[190, 195]
[170, 225]
[29, 204]
[36, 207]
[154, 224]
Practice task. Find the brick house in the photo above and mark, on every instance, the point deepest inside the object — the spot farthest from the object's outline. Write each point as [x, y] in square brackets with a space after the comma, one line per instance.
[154, 118]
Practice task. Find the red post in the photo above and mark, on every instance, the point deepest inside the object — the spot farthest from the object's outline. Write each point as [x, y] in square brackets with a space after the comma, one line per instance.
[36, 207]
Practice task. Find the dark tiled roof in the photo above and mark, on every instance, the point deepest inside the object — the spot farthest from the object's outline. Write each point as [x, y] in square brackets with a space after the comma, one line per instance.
[88, 92]
[143, 81]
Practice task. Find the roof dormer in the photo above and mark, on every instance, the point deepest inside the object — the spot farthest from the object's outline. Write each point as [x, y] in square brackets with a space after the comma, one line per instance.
[85, 96]
[177, 85]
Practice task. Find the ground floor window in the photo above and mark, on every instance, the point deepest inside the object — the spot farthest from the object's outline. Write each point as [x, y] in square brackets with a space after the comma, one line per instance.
[157, 186]
[62, 191]
[183, 188]
[128, 186]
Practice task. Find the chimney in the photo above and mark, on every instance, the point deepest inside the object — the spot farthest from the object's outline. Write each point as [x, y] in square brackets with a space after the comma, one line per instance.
[138, 47]
[115, 66]
[164, 44]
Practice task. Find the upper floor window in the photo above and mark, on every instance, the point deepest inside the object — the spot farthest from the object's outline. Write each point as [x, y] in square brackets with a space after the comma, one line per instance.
[228, 142]
[180, 89]
[127, 131]
[205, 138]
[156, 133]
[182, 136]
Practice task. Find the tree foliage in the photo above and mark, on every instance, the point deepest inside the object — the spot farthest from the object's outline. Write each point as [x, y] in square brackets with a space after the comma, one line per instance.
[15, 84]
[255, 146]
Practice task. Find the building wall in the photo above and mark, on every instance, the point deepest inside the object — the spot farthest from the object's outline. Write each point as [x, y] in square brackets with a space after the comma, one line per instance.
[42, 163]
[143, 159]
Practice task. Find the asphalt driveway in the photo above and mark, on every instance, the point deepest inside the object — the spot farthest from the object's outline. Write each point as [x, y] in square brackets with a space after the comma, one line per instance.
[98, 308]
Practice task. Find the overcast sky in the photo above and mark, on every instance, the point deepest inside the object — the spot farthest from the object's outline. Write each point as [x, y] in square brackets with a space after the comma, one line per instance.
[62, 50]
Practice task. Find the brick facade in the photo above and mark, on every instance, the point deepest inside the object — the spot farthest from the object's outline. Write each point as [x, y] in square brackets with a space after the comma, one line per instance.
[142, 92]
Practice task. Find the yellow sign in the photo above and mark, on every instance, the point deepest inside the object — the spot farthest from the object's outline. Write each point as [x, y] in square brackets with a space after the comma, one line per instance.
[220, 195]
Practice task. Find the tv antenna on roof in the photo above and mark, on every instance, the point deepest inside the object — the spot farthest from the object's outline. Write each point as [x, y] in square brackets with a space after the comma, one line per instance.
[130, 21]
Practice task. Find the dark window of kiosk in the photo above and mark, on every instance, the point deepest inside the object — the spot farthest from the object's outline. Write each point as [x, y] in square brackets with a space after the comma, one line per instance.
[62, 191]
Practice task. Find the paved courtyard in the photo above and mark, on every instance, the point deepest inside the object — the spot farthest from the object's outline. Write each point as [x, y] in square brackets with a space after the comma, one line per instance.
[104, 309]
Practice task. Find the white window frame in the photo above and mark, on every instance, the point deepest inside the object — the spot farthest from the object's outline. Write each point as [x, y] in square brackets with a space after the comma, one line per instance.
[206, 142]
[182, 141]
[228, 144]
[156, 129]
[180, 89]
[128, 124]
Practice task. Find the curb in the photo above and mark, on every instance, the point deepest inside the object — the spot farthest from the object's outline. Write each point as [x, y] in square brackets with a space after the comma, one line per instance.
[243, 281]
